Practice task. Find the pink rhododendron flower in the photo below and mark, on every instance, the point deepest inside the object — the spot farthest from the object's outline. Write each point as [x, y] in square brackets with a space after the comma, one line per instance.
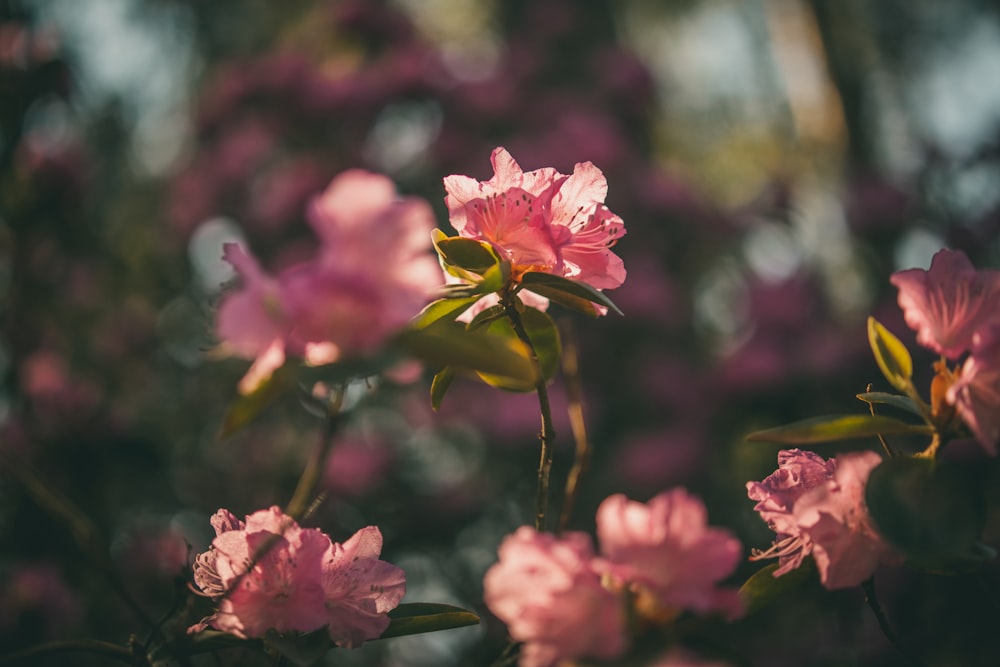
[548, 592]
[948, 303]
[818, 507]
[976, 392]
[297, 581]
[541, 220]
[667, 549]
[372, 274]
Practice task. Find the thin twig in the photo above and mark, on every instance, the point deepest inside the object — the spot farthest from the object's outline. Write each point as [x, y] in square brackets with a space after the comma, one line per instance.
[113, 651]
[871, 408]
[574, 393]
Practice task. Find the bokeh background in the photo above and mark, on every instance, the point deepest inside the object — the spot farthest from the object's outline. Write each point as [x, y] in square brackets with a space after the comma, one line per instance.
[774, 162]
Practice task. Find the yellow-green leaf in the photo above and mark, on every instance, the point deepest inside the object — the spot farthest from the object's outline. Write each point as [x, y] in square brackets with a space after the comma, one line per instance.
[544, 336]
[836, 427]
[569, 293]
[420, 617]
[891, 355]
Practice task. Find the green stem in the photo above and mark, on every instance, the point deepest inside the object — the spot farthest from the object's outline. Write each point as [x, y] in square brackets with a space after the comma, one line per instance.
[309, 482]
[113, 651]
[547, 434]
[581, 460]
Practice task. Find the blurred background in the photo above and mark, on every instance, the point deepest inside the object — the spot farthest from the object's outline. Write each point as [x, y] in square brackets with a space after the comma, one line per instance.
[774, 161]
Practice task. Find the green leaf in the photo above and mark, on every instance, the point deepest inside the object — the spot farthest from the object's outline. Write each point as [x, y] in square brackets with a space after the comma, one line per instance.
[447, 343]
[544, 336]
[892, 400]
[301, 649]
[243, 409]
[837, 427]
[466, 255]
[420, 617]
[567, 292]
[892, 356]
[449, 308]
[763, 589]
[927, 509]
[439, 386]
[485, 317]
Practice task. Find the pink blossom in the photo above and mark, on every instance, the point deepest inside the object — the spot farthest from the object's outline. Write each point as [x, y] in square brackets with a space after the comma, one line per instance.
[817, 508]
[541, 220]
[948, 303]
[372, 274]
[548, 592]
[297, 581]
[666, 547]
[976, 392]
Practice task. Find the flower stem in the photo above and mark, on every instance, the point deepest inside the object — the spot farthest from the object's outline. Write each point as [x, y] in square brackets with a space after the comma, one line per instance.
[113, 651]
[308, 483]
[574, 391]
[868, 585]
[547, 434]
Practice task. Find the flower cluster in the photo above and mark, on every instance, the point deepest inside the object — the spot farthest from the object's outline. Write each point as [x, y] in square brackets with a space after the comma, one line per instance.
[371, 275]
[817, 507]
[563, 601]
[955, 309]
[541, 221]
[268, 573]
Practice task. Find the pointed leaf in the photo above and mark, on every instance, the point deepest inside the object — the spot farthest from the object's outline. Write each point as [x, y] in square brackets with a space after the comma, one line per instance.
[420, 617]
[892, 400]
[544, 337]
[449, 308]
[467, 254]
[566, 292]
[439, 386]
[763, 589]
[836, 427]
[484, 317]
[447, 343]
[927, 509]
[892, 356]
[244, 408]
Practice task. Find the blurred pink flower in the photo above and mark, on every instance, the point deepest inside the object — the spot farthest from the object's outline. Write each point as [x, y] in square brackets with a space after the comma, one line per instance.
[546, 590]
[976, 392]
[666, 548]
[372, 274]
[541, 220]
[818, 507]
[948, 303]
[299, 581]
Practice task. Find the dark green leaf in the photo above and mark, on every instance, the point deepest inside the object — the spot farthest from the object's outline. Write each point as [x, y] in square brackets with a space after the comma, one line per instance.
[439, 386]
[466, 254]
[446, 343]
[566, 292]
[544, 336]
[927, 509]
[420, 617]
[837, 427]
[243, 409]
[892, 356]
[961, 564]
[763, 589]
[892, 400]
[302, 650]
[448, 308]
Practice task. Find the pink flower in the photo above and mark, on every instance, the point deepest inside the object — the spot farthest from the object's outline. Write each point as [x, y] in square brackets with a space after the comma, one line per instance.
[976, 392]
[297, 581]
[818, 507]
[548, 592]
[541, 220]
[666, 547]
[372, 274]
[948, 303]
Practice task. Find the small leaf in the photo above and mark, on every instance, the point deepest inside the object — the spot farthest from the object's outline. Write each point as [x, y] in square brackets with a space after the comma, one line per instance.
[420, 617]
[763, 589]
[566, 292]
[892, 400]
[837, 427]
[439, 386]
[485, 317]
[544, 336]
[442, 308]
[927, 509]
[466, 254]
[243, 409]
[892, 356]
[446, 343]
